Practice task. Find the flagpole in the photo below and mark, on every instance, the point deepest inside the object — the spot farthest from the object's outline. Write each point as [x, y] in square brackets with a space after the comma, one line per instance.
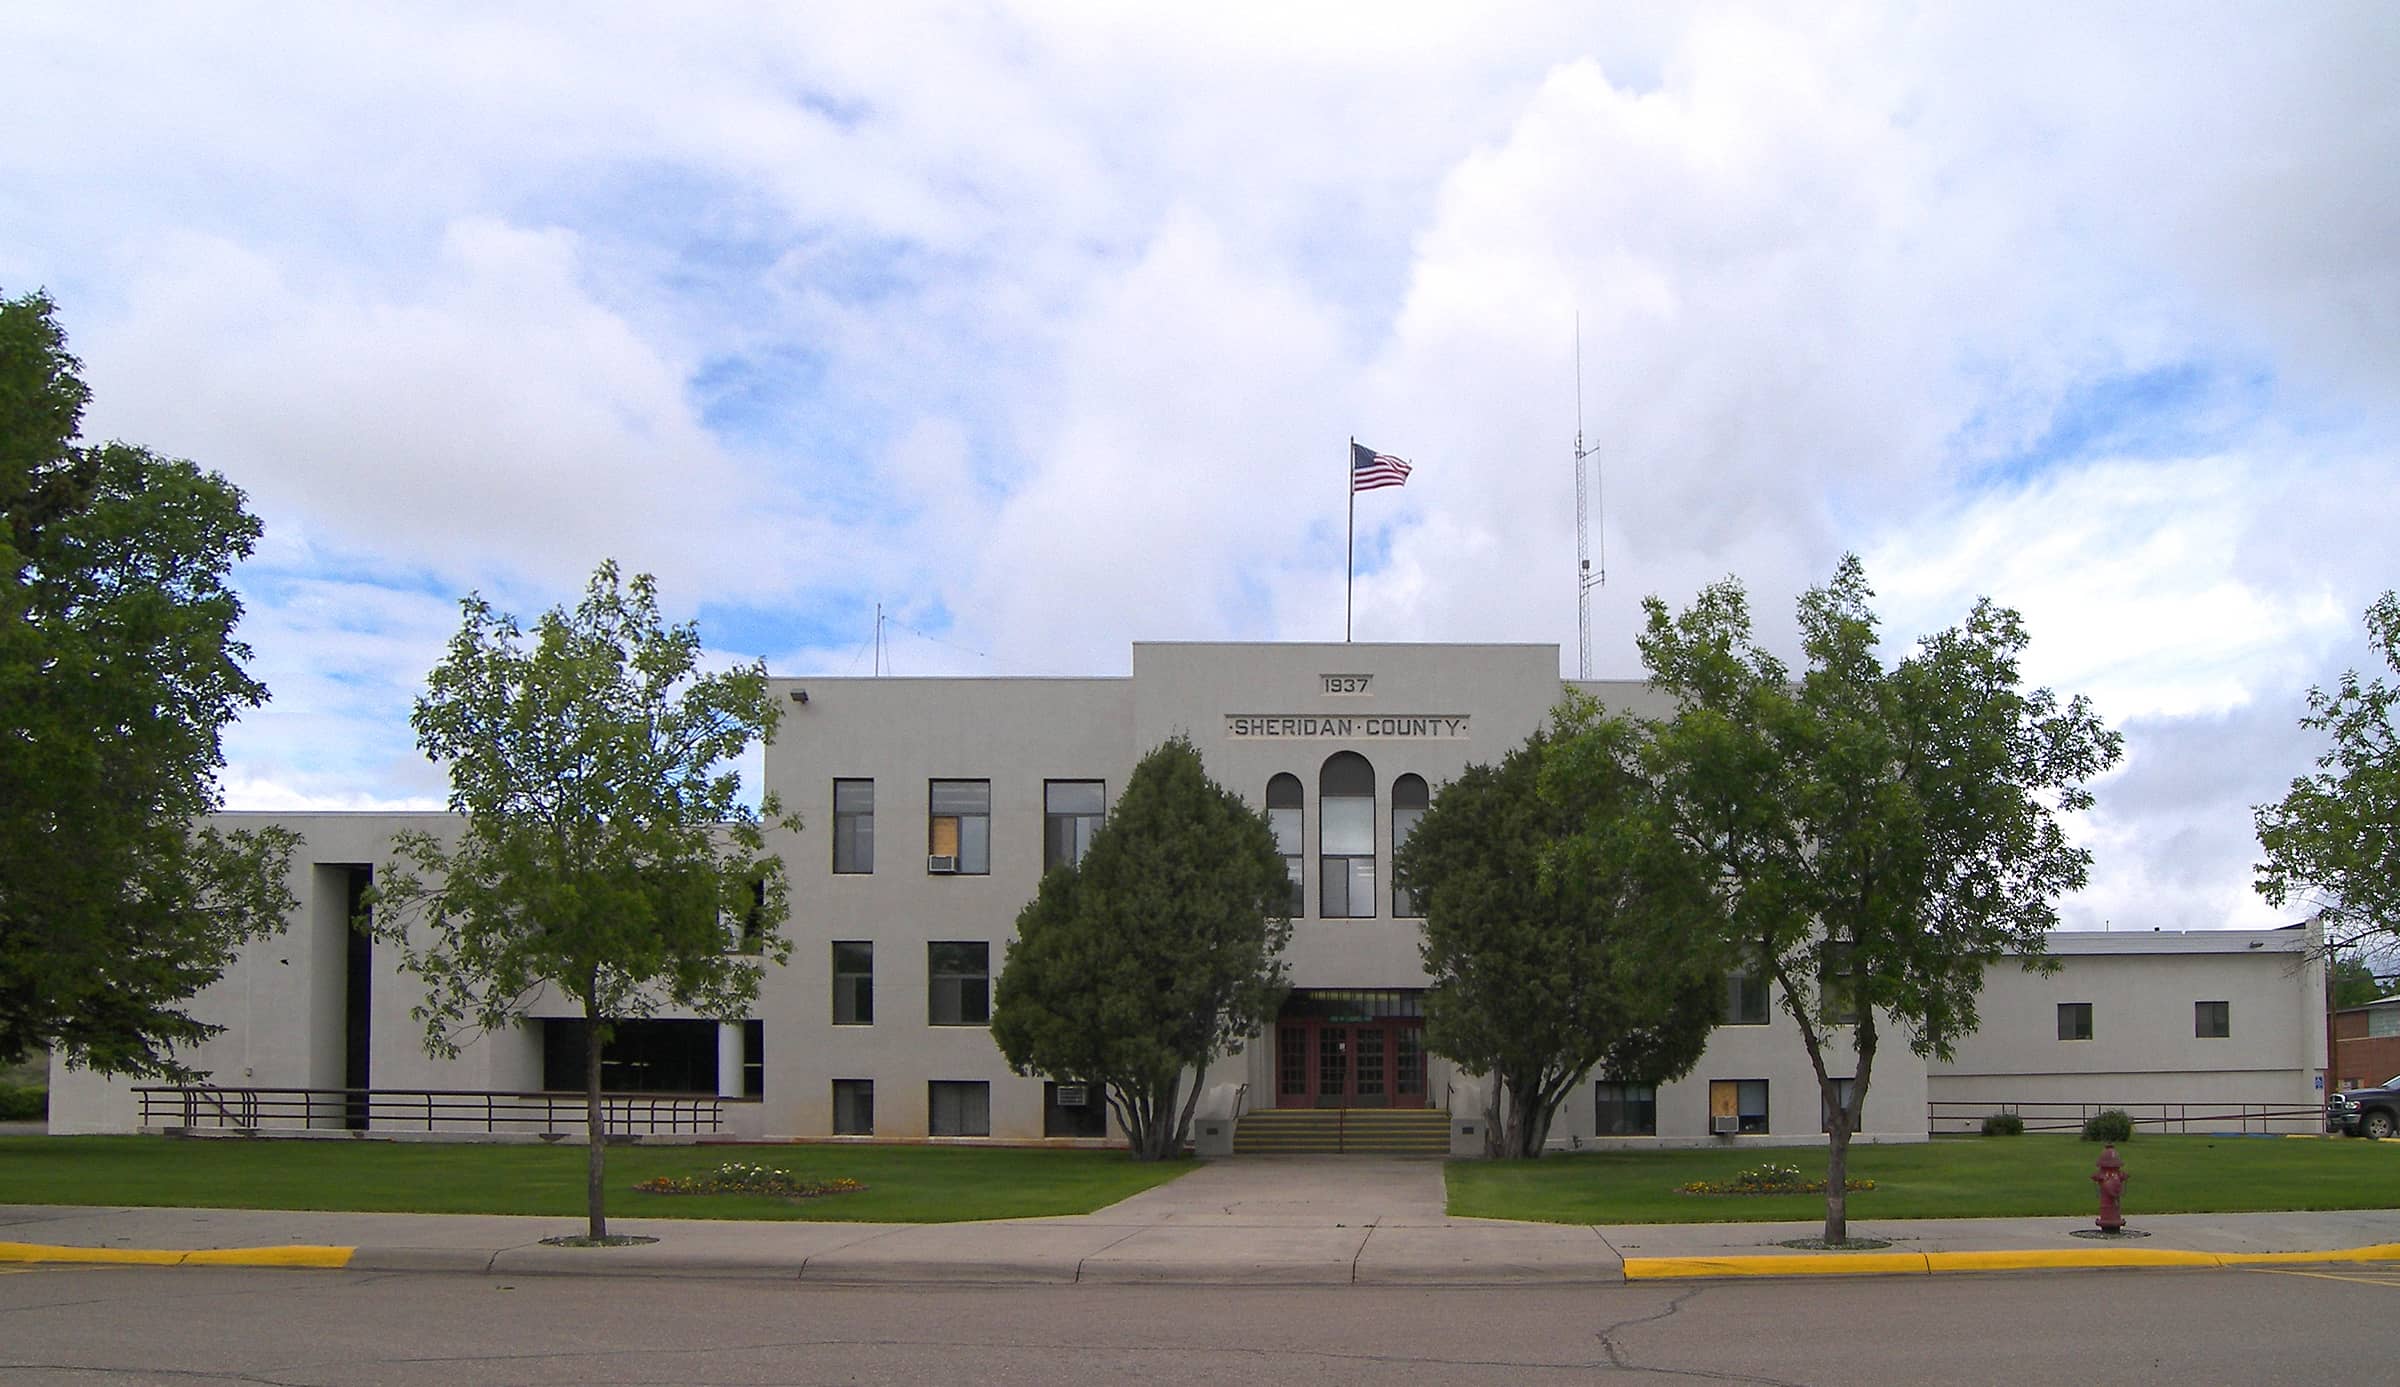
[1350, 548]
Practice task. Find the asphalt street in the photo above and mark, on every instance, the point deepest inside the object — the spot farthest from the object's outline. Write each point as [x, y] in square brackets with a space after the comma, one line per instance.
[100, 1325]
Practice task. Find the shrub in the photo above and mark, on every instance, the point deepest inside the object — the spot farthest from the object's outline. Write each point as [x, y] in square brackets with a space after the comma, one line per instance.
[736, 1177]
[2004, 1124]
[23, 1104]
[1767, 1179]
[2110, 1126]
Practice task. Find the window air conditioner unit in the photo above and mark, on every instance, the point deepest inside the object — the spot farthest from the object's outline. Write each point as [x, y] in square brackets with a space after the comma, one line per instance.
[1074, 1096]
[1724, 1126]
[941, 863]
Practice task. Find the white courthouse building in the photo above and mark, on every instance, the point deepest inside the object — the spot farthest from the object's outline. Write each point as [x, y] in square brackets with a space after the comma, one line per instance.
[931, 809]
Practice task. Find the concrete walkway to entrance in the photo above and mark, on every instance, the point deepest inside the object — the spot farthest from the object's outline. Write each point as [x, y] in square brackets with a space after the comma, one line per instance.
[1300, 1220]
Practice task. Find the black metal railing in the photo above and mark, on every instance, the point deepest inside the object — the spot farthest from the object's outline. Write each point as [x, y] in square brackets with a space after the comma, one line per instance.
[547, 1113]
[1966, 1115]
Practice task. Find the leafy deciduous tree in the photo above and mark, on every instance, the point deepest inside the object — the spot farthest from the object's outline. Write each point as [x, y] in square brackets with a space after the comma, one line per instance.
[1560, 931]
[605, 848]
[1153, 955]
[2334, 838]
[2355, 983]
[118, 674]
[1880, 835]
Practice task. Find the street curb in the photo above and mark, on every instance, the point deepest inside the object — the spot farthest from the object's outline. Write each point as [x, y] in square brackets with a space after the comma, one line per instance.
[1939, 1263]
[298, 1255]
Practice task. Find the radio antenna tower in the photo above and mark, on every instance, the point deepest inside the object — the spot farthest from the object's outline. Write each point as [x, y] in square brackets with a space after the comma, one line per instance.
[1586, 576]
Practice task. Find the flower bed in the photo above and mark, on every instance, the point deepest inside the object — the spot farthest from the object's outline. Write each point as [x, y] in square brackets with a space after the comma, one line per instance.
[1768, 1179]
[735, 1177]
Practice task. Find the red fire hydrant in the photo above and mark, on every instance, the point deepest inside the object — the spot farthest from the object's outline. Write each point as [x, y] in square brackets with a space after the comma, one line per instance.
[2110, 1177]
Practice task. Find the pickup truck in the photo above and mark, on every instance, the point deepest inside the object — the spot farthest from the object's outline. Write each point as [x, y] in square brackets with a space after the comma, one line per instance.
[2366, 1112]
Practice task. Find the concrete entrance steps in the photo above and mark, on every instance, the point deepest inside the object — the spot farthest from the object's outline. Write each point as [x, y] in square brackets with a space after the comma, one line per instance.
[1342, 1131]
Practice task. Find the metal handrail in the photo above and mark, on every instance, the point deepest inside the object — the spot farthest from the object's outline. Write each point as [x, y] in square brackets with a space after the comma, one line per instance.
[540, 1112]
[2060, 1115]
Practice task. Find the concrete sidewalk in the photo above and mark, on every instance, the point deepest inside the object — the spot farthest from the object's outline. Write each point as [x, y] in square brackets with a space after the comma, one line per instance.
[1295, 1221]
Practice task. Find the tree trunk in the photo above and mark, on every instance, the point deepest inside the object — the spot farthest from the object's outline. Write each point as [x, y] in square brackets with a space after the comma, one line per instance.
[1191, 1104]
[1846, 1118]
[1528, 1119]
[1837, 1182]
[595, 1127]
[1152, 1114]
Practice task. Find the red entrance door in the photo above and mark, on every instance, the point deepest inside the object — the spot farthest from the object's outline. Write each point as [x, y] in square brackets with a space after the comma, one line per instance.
[1351, 1064]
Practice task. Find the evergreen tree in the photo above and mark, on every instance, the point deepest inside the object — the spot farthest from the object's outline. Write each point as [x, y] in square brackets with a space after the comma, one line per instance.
[1562, 934]
[1153, 955]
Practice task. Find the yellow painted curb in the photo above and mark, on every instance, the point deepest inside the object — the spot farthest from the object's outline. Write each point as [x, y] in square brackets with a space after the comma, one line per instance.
[292, 1256]
[2028, 1259]
[2377, 1252]
[1797, 1264]
[2023, 1259]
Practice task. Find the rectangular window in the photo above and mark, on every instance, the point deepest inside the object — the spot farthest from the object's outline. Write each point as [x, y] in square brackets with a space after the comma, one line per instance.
[961, 978]
[955, 1109]
[2074, 1020]
[1086, 1117]
[1745, 998]
[1626, 1110]
[853, 982]
[1284, 822]
[1346, 857]
[753, 934]
[854, 1107]
[2212, 1020]
[1737, 1104]
[640, 1056]
[1843, 1090]
[1071, 812]
[854, 826]
[754, 1059]
[958, 831]
[1837, 983]
[1405, 905]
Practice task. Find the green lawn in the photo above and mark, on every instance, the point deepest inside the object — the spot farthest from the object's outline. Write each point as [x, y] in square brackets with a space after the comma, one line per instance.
[905, 1184]
[1965, 1177]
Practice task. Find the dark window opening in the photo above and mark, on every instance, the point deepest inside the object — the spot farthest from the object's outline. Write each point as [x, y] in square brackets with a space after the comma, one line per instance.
[1745, 999]
[956, 1108]
[854, 1107]
[640, 1056]
[1071, 811]
[1626, 1110]
[853, 982]
[1088, 1118]
[960, 976]
[853, 826]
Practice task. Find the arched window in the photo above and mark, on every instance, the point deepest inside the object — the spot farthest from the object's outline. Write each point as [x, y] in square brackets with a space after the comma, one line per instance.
[1283, 816]
[1408, 806]
[1346, 837]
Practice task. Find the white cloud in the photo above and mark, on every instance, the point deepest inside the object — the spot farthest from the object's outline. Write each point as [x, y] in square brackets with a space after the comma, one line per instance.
[1045, 324]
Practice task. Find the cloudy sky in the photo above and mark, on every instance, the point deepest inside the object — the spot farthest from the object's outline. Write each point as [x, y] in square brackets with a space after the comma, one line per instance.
[1044, 326]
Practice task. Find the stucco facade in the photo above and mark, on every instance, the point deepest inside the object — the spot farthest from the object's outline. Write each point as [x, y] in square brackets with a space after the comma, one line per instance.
[2164, 1021]
[930, 807]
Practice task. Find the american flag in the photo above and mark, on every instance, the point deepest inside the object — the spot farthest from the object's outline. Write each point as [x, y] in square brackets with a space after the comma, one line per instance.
[1370, 469]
